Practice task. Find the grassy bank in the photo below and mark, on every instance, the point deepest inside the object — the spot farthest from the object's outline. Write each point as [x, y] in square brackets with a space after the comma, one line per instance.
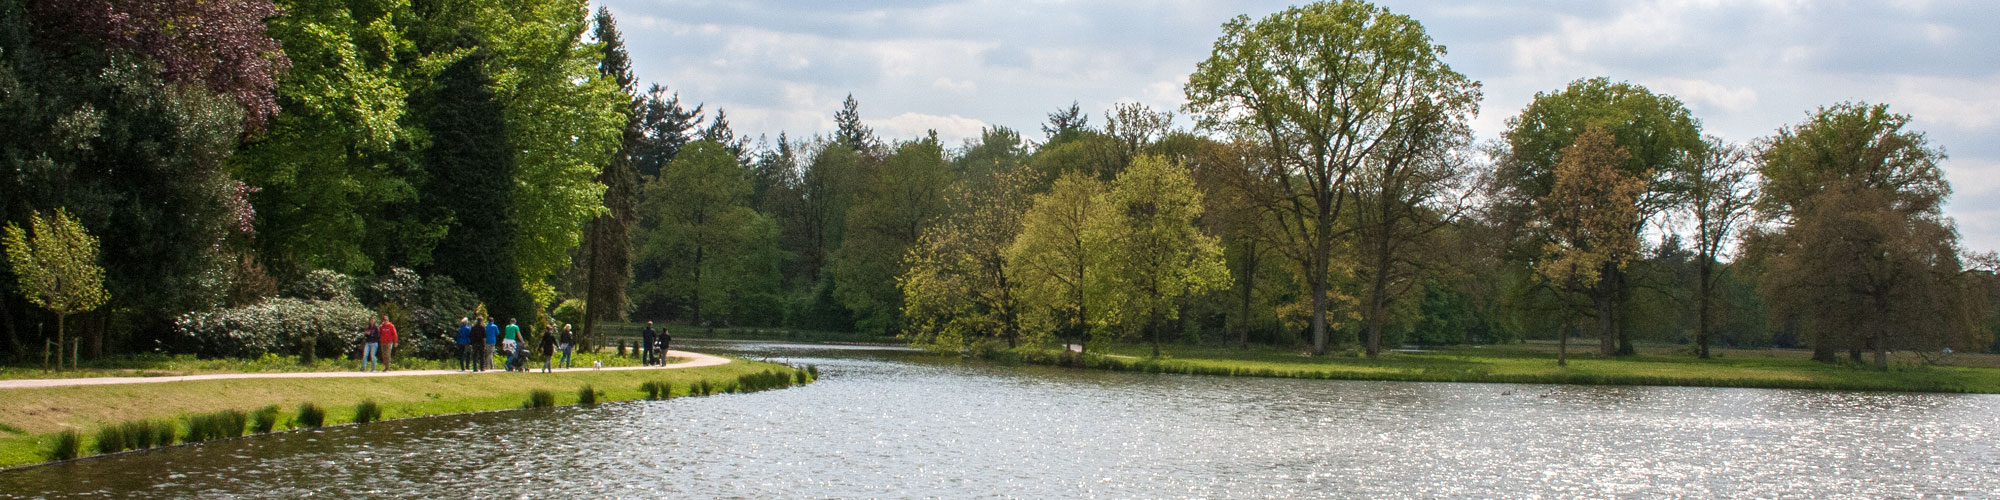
[32, 419]
[187, 364]
[1531, 364]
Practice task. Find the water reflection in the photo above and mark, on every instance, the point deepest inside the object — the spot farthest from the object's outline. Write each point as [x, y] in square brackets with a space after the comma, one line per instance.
[893, 423]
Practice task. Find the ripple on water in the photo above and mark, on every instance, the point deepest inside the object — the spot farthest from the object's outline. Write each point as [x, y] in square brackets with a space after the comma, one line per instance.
[891, 425]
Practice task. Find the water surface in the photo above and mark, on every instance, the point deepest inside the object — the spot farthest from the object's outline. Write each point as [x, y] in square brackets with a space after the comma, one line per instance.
[895, 424]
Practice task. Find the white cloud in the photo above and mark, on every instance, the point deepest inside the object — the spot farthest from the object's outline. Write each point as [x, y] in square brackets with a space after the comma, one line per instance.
[955, 86]
[951, 129]
[1957, 102]
[1702, 93]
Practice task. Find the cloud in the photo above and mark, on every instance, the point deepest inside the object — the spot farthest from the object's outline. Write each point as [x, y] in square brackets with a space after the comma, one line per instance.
[951, 129]
[1957, 102]
[1702, 93]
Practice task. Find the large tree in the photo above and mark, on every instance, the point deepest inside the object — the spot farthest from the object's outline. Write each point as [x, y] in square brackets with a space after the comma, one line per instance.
[1325, 87]
[1421, 185]
[1587, 216]
[1720, 191]
[958, 290]
[1661, 138]
[607, 242]
[1153, 252]
[887, 218]
[471, 167]
[1054, 260]
[706, 255]
[1862, 255]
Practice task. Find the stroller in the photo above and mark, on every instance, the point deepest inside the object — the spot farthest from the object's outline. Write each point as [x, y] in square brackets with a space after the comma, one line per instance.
[519, 360]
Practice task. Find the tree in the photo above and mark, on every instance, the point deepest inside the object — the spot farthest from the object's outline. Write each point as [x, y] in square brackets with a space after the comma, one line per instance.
[1588, 215]
[1324, 87]
[958, 289]
[327, 171]
[666, 127]
[1660, 135]
[1419, 186]
[565, 120]
[705, 252]
[1154, 254]
[607, 241]
[1064, 122]
[1054, 260]
[471, 167]
[1862, 247]
[886, 219]
[1720, 191]
[850, 131]
[57, 269]
[218, 45]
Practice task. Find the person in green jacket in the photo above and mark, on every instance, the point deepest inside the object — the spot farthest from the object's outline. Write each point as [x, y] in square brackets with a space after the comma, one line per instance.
[511, 342]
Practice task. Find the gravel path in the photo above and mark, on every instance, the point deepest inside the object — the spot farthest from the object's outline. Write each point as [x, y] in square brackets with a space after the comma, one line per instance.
[695, 360]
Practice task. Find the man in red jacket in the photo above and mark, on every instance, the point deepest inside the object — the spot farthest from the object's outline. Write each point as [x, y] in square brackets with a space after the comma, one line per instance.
[388, 340]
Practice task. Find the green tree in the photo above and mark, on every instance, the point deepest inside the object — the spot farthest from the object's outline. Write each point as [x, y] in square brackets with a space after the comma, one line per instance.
[958, 289]
[1861, 247]
[1587, 215]
[471, 166]
[1154, 254]
[706, 254]
[607, 243]
[57, 269]
[1419, 186]
[850, 131]
[888, 217]
[1662, 138]
[1322, 86]
[1720, 191]
[565, 121]
[1054, 260]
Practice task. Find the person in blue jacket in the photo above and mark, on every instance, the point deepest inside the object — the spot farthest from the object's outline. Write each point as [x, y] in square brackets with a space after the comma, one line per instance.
[492, 339]
[464, 341]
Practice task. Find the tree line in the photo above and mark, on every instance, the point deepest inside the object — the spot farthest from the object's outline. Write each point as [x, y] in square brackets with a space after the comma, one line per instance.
[1330, 194]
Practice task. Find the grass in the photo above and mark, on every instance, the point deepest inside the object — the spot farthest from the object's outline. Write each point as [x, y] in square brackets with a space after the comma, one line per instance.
[1534, 363]
[367, 411]
[539, 398]
[152, 365]
[264, 419]
[215, 425]
[42, 414]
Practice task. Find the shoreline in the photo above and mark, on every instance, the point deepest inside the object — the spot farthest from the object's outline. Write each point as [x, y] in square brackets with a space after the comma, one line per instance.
[1514, 367]
[36, 417]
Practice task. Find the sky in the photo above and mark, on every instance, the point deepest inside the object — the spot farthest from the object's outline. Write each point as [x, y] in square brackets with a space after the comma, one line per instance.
[1744, 68]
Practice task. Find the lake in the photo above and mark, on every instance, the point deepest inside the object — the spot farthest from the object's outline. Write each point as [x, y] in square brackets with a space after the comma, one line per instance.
[890, 423]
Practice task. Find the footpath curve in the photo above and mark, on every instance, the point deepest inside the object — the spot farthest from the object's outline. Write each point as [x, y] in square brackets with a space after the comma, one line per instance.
[695, 360]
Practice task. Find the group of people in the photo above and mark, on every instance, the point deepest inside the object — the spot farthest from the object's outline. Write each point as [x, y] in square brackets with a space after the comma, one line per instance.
[378, 339]
[653, 345]
[477, 338]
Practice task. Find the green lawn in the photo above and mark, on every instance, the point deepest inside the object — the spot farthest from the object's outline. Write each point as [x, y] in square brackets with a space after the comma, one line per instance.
[188, 364]
[1534, 363]
[31, 417]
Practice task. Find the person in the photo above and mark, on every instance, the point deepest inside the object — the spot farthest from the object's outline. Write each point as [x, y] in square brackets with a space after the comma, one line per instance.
[492, 339]
[478, 344]
[568, 343]
[371, 342]
[464, 342]
[512, 343]
[548, 347]
[388, 339]
[646, 344]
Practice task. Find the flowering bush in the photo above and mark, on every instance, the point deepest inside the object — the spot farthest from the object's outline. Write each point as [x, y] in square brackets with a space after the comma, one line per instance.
[310, 328]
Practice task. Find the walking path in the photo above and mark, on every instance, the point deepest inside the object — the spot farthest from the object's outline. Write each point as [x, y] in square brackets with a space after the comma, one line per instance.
[695, 360]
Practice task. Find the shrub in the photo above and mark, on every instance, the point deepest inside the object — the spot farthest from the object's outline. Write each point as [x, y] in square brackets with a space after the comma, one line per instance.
[67, 445]
[570, 311]
[586, 396]
[321, 284]
[657, 390]
[264, 419]
[425, 309]
[367, 412]
[276, 325]
[310, 416]
[111, 439]
[134, 435]
[218, 425]
[540, 399]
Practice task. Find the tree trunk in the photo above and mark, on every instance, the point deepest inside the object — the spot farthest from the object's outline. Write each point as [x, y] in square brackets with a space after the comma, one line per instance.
[1248, 277]
[1607, 336]
[60, 343]
[1322, 244]
[1881, 346]
[1702, 307]
[1562, 345]
[1622, 299]
[1378, 299]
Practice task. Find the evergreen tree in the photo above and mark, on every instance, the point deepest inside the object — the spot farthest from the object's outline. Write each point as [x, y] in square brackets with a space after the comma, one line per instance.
[607, 243]
[666, 128]
[471, 163]
[851, 132]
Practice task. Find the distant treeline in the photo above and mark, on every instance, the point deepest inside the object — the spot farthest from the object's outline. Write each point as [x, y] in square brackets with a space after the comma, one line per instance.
[1330, 195]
